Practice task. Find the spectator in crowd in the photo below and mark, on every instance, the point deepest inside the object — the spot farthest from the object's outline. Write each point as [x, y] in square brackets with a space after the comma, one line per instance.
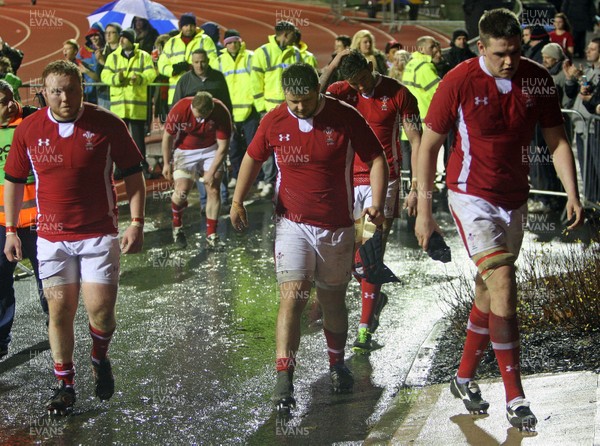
[582, 16]
[441, 64]
[145, 34]
[268, 64]
[88, 61]
[14, 55]
[128, 71]
[235, 62]
[420, 75]
[112, 35]
[202, 78]
[581, 82]
[341, 43]
[390, 49]
[70, 50]
[364, 41]
[459, 48]
[7, 75]
[553, 57]
[307, 56]
[562, 34]
[176, 57]
[161, 94]
[541, 172]
[422, 79]
[213, 31]
[534, 38]
[401, 58]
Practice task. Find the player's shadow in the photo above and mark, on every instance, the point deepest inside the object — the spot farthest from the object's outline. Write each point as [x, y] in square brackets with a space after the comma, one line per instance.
[334, 418]
[330, 418]
[22, 357]
[476, 435]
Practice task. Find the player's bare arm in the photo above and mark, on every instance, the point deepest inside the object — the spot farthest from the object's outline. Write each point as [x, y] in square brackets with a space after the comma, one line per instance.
[133, 238]
[248, 172]
[329, 69]
[13, 199]
[379, 177]
[167, 151]
[564, 163]
[426, 162]
[412, 130]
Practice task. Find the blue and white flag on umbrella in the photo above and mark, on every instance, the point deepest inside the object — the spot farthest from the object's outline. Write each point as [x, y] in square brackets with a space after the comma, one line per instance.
[123, 12]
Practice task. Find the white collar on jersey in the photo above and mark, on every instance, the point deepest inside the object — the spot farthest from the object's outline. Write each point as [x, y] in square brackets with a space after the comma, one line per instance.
[65, 129]
[198, 120]
[504, 85]
[306, 125]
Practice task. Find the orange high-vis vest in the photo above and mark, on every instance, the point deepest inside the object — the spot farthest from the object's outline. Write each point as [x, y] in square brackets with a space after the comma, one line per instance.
[28, 212]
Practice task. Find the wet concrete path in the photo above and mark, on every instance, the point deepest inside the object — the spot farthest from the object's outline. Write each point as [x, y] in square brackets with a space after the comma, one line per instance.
[193, 354]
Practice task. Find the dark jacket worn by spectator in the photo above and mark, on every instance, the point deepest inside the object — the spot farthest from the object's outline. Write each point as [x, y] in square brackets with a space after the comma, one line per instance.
[455, 54]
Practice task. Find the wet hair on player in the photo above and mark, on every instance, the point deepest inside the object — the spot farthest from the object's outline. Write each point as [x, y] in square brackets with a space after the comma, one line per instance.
[299, 79]
[62, 68]
[203, 103]
[498, 24]
[353, 64]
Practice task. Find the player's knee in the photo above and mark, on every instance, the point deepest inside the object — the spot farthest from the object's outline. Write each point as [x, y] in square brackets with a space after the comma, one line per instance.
[489, 261]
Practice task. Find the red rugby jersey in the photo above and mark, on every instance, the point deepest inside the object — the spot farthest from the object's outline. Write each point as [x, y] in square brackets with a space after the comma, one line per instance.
[72, 163]
[314, 182]
[494, 121]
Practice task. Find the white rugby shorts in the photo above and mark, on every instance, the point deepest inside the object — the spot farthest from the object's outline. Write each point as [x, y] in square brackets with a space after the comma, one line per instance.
[484, 226]
[363, 197]
[191, 164]
[93, 260]
[306, 252]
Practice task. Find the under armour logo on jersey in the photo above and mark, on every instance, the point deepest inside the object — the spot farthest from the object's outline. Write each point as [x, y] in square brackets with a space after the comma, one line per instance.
[369, 296]
[510, 368]
[479, 100]
[43, 142]
[284, 137]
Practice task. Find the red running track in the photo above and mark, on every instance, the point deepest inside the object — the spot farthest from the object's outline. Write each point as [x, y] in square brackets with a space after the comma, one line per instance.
[40, 30]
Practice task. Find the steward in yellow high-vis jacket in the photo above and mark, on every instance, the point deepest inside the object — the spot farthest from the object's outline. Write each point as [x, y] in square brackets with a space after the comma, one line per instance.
[128, 70]
[235, 62]
[268, 64]
[176, 57]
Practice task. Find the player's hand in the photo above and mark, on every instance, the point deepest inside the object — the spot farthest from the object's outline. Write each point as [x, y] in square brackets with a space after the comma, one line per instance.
[166, 171]
[12, 248]
[424, 227]
[375, 215]
[238, 216]
[574, 213]
[132, 240]
[410, 203]
[209, 179]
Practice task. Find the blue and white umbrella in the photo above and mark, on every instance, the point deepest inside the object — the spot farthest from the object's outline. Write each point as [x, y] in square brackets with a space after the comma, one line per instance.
[123, 12]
